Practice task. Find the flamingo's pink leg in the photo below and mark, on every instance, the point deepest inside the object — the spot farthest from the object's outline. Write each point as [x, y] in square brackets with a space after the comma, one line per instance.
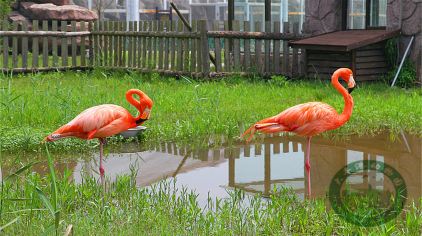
[308, 166]
[102, 141]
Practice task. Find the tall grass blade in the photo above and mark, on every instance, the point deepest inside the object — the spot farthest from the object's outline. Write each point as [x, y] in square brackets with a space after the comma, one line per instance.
[9, 223]
[20, 170]
[45, 201]
[56, 212]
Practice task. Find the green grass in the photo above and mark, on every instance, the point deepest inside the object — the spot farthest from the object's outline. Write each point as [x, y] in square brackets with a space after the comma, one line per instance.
[33, 105]
[163, 209]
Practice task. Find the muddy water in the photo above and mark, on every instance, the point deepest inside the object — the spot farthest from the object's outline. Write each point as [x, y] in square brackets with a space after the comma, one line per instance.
[270, 162]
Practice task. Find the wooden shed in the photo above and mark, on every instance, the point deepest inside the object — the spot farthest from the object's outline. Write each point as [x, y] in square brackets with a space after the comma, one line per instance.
[361, 50]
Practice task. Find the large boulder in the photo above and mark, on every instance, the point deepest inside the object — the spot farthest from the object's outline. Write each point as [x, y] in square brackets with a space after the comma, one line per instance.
[50, 11]
[55, 2]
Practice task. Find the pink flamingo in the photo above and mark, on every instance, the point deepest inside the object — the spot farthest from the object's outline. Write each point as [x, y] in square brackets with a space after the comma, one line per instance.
[104, 121]
[312, 118]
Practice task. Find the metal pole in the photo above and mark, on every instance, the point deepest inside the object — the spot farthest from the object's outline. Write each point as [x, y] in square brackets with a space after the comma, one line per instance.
[132, 10]
[267, 10]
[402, 60]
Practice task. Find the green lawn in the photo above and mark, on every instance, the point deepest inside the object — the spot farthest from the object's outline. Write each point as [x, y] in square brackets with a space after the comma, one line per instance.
[30, 204]
[185, 110]
[33, 105]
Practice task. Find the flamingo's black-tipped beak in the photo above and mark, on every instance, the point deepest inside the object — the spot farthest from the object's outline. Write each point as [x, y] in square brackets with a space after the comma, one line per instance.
[350, 90]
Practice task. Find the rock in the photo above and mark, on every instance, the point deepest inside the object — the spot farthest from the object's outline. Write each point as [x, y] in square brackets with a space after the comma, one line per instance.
[55, 2]
[15, 16]
[408, 9]
[412, 24]
[50, 11]
[322, 16]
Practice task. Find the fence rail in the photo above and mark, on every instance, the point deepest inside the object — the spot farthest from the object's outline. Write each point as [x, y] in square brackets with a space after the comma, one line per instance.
[168, 47]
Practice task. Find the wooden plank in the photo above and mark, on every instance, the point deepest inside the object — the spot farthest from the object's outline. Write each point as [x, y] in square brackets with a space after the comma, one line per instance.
[367, 53]
[179, 47]
[166, 54]
[160, 46]
[115, 39]
[130, 46]
[24, 46]
[173, 47]
[5, 26]
[267, 48]
[123, 26]
[135, 46]
[45, 45]
[15, 46]
[54, 26]
[217, 43]
[337, 57]
[144, 46]
[258, 46]
[73, 41]
[286, 53]
[276, 50]
[154, 45]
[198, 50]
[35, 45]
[91, 47]
[247, 47]
[63, 25]
[193, 48]
[204, 48]
[94, 44]
[83, 39]
[327, 63]
[370, 59]
[295, 56]
[149, 47]
[186, 51]
[140, 45]
[371, 71]
[323, 70]
[105, 45]
[364, 65]
[227, 54]
[236, 47]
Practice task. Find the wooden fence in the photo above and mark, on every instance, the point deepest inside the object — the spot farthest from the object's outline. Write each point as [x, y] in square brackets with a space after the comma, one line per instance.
[44, 46]
[167, 47]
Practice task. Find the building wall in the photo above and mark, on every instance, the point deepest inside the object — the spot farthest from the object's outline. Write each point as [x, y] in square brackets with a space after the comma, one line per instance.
[323, 16]
[407, 15]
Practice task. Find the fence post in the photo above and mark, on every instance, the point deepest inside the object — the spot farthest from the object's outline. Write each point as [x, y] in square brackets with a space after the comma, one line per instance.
[91, 45]
[204, 48]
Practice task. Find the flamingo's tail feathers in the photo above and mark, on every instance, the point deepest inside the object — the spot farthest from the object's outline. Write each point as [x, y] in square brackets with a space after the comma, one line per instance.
[258, 126]
[64, 132]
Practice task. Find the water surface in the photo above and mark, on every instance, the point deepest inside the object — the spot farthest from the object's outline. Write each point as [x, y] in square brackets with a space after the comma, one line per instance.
[257, 167]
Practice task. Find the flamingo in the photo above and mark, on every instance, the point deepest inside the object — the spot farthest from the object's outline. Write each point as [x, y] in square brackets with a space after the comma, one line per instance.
[310, 119]
[105, 120]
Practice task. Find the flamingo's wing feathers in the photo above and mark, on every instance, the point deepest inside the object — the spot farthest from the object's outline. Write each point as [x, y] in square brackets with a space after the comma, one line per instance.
[95, 118]
[306, 113]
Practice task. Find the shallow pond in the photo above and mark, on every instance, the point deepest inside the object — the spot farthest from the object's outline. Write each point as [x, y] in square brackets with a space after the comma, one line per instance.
[257, 167]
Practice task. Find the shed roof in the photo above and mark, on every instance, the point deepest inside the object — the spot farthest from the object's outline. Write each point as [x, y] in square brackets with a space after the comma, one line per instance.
[344, 40]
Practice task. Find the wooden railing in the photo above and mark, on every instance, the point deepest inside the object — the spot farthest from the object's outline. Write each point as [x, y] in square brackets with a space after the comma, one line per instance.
[167, 47]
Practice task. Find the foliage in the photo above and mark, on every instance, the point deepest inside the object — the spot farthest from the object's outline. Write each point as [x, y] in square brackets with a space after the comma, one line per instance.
[5, 8]
[186, 110]
[407, 76]
[163, 209]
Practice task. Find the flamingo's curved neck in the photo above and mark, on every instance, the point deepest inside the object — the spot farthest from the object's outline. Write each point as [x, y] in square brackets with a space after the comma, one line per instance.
[140, 105]
[348, 100]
